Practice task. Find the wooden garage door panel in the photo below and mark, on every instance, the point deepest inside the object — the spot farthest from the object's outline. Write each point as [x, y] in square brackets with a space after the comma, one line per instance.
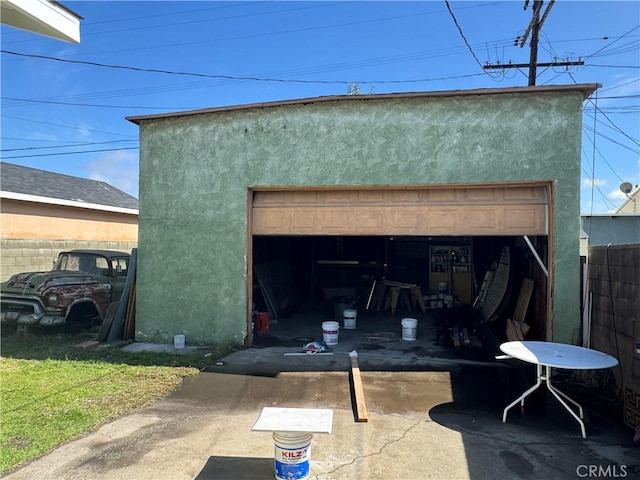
[526, 218]
[335, 218]
[528, 194]
[437, 211]
[273, 220]
[483, 217]
[443, 195]
[369, 218]
[441, 219]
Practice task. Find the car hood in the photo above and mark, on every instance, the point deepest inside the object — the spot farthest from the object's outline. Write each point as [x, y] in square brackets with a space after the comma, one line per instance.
[36, 282]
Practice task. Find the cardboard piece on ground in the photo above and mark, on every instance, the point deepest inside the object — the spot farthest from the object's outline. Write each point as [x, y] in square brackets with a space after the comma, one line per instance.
[280, 419]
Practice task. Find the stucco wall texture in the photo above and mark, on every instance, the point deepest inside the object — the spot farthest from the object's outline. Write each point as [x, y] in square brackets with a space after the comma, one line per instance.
[195, 172]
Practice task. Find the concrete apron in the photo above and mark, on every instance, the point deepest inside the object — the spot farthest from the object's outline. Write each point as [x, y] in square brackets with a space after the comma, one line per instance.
[422, 424]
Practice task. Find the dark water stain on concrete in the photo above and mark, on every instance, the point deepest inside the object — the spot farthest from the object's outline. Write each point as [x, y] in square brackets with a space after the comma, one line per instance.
[516, 463]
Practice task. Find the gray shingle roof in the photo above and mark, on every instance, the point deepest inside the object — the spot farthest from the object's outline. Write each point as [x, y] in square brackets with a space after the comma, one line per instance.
[31, 181]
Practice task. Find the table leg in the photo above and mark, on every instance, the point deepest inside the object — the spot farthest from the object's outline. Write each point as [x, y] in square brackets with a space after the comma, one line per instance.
[521, 398]
[564, 395]
[395, 293]
[544, 375]
[560, 395]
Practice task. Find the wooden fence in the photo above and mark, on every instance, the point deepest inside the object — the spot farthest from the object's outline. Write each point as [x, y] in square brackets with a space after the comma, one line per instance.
[614, 286]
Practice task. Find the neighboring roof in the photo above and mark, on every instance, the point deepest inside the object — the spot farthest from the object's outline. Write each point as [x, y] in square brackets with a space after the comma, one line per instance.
[45, 17]
[104, 253]
[612, 228]
[31, 184]
[585, 89]
[632, 203]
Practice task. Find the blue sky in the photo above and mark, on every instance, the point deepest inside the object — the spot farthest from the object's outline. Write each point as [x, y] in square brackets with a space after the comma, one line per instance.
[63, 105]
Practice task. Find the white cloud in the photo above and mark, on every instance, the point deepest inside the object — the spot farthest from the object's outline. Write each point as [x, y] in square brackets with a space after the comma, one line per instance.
[616, 195]
[624, 85]
[119, 169]
[593, 182]
[84, 131]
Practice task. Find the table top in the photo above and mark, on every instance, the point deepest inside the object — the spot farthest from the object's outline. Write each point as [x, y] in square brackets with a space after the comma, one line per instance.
[281, 419]
[558, 355]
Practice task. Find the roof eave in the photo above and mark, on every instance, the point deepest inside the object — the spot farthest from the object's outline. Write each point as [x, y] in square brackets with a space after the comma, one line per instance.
[586, 90]
[48, 18]
[67, 203]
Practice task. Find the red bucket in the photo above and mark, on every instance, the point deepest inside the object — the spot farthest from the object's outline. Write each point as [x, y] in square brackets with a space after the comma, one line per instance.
[262, 322]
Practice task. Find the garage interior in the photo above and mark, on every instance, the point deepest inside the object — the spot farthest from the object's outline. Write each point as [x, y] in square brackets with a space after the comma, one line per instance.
[303, 280]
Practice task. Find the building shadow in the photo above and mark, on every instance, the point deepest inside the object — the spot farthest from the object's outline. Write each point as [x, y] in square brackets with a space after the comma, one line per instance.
[479, 396]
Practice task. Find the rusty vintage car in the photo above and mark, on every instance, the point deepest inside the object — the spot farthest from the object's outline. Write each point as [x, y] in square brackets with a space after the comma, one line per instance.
[76, 292]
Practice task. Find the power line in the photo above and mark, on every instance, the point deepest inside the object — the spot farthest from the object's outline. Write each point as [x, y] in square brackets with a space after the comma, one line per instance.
[217, 19]
[611, 126]
[71, 153]
[595, 185]
[617, 39]
[612, 66]
[229, 77]
[593, 154]
[93, 105]
[283, 32]
[595, 148]
[615, 87]
[66, 126]
[63, 146]
[462, 35]
[592, 129]
[615, 127]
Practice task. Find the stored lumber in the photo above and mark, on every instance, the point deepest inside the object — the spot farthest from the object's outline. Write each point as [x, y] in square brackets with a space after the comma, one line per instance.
[466, 340]
[456, 337]
[358, 392]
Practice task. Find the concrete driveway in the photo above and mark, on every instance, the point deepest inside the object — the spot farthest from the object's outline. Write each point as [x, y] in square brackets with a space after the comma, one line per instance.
[427, 420]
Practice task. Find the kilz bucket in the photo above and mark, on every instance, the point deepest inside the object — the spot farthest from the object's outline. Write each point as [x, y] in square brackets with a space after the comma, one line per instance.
[330, 332]
[292, 455]
[349, 316]
[178, 341]
[409, 328]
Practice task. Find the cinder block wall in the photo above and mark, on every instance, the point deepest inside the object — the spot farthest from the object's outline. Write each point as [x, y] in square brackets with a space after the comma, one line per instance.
[31, 255]
[614, 281]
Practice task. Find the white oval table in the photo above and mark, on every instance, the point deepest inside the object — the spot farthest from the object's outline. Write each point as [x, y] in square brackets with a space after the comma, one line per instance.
[548, 355]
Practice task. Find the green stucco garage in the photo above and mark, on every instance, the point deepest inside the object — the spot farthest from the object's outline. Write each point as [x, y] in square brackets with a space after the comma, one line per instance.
[199, 171]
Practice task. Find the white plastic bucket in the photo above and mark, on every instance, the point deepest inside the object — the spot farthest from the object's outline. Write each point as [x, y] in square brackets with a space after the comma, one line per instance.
[442, 289]
[349, 316]
[178, 341]
[409, 328]
[292, 455]
[330, 332]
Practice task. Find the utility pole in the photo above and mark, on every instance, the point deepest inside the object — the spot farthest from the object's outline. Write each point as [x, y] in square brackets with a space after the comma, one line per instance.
[534, 29]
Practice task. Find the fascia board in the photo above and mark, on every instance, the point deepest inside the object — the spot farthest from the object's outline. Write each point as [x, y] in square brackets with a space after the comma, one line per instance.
[42, 17]
[67, 203]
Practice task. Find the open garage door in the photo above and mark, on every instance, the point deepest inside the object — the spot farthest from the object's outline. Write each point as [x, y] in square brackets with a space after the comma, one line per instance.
[521, 209]
[339, 242]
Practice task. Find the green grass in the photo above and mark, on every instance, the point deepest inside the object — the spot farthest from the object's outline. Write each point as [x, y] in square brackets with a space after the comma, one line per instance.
[51, 392]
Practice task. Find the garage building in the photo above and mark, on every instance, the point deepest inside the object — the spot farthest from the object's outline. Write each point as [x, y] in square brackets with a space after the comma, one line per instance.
[336, 192]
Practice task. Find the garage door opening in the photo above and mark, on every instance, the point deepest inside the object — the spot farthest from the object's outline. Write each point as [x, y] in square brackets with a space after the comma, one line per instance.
[300, 280]
[464, 259]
